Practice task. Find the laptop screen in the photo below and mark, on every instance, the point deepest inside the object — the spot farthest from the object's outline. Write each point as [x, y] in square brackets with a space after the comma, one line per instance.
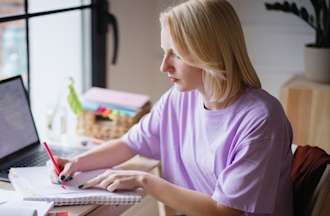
[17, 129]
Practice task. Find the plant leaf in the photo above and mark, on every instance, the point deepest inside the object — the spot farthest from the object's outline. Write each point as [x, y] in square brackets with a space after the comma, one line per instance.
[311, 19]
[275, 6]
[304, 14]
[294, 9]
[286, 7]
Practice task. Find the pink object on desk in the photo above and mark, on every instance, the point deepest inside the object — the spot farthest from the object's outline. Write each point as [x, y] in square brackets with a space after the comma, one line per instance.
[100, 110]
[63, 213]
[103, 95]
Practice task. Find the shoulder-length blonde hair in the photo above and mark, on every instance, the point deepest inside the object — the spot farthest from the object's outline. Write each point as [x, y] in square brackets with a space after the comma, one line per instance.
[208, 34]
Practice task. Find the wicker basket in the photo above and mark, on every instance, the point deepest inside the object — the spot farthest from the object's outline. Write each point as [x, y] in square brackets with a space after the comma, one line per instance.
[89, 125]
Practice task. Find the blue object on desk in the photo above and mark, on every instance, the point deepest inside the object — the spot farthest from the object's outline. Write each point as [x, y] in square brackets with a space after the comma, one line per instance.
[93, 106]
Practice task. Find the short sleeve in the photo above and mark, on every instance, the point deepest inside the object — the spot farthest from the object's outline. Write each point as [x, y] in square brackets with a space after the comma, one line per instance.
[250, 180]
[144, 137]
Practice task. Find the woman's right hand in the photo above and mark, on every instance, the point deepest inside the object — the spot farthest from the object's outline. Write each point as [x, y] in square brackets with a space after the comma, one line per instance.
[67, 169]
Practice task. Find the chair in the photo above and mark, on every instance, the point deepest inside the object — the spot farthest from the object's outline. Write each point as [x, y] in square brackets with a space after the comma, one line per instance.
[310, 174]
[320, 201]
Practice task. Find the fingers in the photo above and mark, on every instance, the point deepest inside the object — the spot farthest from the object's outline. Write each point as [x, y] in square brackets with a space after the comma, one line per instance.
[114, 186]
[60, 162]
[67, 172]
[94, 181]
[65, 166]
[127, 183]
[111, 181]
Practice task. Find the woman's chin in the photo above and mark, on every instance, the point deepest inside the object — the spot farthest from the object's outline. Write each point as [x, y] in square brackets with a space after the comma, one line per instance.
[181, 88]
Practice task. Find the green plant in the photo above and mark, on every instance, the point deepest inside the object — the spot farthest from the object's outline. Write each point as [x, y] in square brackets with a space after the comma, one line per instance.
[321, 22]
[73, 99]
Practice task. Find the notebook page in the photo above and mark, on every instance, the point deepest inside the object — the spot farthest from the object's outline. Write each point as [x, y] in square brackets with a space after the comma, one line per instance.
[36, 181]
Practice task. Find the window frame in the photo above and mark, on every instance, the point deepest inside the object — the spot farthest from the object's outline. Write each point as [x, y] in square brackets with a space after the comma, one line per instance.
[98, 28]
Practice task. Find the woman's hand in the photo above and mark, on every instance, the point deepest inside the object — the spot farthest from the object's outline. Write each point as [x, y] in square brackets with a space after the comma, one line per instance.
[66, 167]
[112, 180]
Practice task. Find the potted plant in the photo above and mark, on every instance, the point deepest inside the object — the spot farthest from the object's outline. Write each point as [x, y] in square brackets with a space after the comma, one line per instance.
[317, 54]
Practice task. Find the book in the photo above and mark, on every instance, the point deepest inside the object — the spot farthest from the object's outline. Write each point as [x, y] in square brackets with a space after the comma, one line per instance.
[116, 99]
[34, 184]
[11, 203]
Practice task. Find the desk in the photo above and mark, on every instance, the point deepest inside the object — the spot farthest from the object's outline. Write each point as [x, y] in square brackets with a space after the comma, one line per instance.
[148, 204]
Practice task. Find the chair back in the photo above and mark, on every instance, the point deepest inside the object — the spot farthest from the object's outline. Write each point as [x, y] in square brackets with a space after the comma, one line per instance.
[320, 202]
[310, 175]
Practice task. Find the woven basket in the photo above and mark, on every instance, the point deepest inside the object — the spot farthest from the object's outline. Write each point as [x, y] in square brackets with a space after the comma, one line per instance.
[89, 125]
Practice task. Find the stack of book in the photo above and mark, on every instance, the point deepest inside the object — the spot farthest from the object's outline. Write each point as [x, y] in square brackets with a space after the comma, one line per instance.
[108, 114]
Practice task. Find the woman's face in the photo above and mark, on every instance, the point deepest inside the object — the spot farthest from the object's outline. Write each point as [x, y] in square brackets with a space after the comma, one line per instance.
[185, 77]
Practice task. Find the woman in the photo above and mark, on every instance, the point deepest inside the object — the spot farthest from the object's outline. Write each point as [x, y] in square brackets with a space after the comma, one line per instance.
[223, 142]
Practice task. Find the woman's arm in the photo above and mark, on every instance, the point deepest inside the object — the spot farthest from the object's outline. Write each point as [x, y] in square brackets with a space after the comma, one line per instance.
[106, 155]
[184, 200]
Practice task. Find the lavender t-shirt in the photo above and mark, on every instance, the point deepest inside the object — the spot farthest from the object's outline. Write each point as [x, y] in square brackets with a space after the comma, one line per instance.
[240, 156]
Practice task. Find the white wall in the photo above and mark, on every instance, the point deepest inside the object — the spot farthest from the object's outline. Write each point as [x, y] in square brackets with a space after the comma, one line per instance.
[275, 44]
[275, 41]
[140, 55]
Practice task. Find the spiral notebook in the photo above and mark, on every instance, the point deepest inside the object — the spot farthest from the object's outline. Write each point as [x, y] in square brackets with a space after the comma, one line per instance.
[33, 183]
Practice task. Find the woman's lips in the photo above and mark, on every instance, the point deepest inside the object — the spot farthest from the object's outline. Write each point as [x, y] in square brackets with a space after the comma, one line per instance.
[172, 79]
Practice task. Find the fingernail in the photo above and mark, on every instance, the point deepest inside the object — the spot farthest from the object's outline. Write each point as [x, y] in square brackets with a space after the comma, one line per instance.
[81, 186]
[69, 178]
[62, 177]
[111, 188]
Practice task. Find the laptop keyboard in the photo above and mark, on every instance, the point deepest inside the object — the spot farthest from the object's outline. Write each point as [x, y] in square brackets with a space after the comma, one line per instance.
[32, 160]
[37, 159]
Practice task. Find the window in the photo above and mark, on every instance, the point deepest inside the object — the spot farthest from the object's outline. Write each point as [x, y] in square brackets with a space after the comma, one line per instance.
[47, 41]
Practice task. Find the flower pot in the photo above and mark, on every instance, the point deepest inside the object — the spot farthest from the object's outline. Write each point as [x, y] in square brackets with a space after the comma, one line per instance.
[317, 64]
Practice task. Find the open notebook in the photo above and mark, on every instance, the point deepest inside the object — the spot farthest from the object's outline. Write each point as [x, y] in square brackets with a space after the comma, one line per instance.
[33, 183]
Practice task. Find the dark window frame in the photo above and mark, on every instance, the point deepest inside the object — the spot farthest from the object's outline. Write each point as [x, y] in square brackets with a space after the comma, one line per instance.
[99, 21]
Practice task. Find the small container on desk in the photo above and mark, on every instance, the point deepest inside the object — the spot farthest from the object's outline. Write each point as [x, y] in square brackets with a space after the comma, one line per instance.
[110, 126]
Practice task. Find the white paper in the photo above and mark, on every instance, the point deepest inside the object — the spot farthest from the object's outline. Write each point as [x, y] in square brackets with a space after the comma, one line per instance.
[41, 184]
[11, 204]
[7, 195]
[14, 211]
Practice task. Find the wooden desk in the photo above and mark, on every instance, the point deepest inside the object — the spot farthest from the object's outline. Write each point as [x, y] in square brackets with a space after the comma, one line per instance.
[148, 204]
[307, 105]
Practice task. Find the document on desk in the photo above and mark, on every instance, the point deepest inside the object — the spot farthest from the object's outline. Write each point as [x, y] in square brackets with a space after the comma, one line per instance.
[11, 203]
[33, 183]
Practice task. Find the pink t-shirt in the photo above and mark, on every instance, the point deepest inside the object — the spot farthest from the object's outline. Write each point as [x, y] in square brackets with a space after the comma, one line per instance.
[240, 156]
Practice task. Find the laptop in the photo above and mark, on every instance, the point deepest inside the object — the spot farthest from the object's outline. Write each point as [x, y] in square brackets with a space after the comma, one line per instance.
[19, 141]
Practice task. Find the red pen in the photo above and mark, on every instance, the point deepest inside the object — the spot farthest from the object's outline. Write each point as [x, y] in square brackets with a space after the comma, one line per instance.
[57, 169]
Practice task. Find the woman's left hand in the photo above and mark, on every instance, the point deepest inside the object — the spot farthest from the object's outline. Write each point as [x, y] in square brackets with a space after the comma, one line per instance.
[112, 180]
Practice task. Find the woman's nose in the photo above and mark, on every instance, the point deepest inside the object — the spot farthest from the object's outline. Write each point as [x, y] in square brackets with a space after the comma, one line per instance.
[166, 65]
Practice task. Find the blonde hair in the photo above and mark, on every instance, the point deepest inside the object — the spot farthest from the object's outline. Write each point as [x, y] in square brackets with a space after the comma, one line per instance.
[208, 34]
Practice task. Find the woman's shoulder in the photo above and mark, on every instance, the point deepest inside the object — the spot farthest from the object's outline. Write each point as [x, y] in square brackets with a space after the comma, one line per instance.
[258, 101]
[261, 115]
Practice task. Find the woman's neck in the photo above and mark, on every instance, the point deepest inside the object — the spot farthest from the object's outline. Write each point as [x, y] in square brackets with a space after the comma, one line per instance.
[220, 105]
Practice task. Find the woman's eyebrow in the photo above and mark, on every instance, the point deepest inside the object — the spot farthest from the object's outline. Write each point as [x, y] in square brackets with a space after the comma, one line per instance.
[166, 50]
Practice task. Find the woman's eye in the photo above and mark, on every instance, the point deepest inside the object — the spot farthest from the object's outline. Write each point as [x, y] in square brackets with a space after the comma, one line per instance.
[178, 57]
[175, 55]
[171, 53]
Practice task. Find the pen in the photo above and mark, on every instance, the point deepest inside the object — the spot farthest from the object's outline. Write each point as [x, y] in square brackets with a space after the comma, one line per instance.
[57, 170]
